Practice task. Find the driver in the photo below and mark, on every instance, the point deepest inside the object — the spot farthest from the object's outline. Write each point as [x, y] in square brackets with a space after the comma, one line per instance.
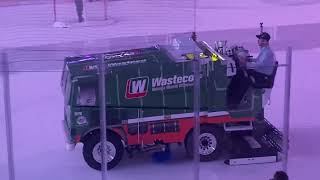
[263, 65]
[257, 70]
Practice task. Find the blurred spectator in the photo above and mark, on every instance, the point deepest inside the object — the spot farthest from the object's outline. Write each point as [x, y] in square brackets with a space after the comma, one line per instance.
[280, 175]
[79, 8]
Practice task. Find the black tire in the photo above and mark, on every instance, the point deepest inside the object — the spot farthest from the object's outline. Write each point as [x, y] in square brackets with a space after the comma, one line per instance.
[94, 140]
[207, 132]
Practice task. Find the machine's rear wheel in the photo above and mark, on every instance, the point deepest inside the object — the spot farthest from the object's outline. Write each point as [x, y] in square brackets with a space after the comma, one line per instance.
[210, 142]
[92, 151]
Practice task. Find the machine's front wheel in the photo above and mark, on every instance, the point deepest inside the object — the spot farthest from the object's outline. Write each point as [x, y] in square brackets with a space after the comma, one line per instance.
[210, 142]
[92, 151]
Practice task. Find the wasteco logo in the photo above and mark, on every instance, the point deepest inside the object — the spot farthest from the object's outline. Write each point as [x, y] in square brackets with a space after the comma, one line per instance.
[137, 87]
[172, 82]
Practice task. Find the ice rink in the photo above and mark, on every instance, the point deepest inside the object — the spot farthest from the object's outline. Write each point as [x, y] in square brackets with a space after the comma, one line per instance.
[37, 102]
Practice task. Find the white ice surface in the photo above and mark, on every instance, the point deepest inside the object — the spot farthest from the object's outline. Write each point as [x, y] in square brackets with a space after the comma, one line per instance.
[39, 152]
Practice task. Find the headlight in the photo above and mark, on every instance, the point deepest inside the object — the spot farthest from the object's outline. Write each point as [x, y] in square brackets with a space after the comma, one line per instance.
[81, 120]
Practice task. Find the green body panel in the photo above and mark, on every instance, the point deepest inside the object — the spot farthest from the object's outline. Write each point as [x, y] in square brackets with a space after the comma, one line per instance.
[153, 98]
[166, 87]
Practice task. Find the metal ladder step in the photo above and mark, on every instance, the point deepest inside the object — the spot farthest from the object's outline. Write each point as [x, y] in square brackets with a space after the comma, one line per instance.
[251, 160]
[228, 127]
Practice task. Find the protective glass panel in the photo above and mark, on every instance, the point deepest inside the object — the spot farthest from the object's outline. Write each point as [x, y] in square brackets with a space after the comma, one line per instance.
[148, 98]
[248, 131]
[303, 114]
[3, 139]
[45, 118]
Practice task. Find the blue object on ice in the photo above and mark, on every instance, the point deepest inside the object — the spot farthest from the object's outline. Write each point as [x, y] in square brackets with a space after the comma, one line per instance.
[159, 157]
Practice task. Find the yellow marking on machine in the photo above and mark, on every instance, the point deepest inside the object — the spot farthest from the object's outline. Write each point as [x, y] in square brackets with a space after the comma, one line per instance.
[214, 57]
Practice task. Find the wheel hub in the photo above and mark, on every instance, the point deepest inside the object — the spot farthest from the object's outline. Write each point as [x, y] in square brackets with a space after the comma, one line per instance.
[110, 152]
[208, 143]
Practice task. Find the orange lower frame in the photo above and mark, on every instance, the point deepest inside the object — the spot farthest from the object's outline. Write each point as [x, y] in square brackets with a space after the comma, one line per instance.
[185, 125]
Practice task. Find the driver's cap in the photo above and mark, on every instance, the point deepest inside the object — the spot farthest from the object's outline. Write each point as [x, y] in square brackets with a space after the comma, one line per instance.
[264, 36]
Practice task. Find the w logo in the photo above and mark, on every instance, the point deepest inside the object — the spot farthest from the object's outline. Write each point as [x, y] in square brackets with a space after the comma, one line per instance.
[137, 87]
